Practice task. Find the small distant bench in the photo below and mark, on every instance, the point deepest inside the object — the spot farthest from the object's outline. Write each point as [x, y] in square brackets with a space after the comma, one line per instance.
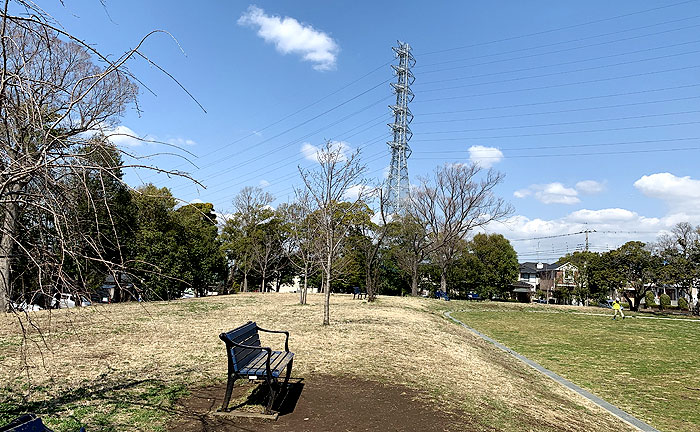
[440, 294]
[248, 359]
[358, 293]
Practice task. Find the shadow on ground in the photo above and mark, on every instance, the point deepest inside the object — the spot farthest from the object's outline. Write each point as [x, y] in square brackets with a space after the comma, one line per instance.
[320, 403]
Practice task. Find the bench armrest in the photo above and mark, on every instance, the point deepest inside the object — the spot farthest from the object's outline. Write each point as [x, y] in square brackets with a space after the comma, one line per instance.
[286, 333]
[261, 348]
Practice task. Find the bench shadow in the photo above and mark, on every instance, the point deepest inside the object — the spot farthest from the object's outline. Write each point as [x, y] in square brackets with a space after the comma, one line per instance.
[286, 400]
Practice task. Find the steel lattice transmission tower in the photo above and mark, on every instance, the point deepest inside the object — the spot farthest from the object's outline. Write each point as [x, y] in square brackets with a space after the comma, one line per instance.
[397, 183]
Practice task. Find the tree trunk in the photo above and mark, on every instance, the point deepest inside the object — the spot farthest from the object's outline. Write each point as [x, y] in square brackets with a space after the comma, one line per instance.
[414, 280]
[368, 285]
[302, 291]
[443, 280]
[634, 304]
[306, 287]
[327, 301]
[6, 247]
[262, 284]
[245, 282]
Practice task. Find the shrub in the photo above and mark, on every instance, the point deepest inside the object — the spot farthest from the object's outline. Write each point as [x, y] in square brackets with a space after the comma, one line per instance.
[649, 299]
[664, 301]
[682, 303]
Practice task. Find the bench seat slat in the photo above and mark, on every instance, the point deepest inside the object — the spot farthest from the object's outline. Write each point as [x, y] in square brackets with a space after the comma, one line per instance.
[278, 362]
[244, 358]
[242, 331]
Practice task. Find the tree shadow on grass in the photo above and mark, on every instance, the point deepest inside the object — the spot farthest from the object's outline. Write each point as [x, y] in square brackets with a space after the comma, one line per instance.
[104, 397]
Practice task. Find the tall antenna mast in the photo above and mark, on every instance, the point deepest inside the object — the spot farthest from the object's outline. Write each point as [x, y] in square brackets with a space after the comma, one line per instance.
[397, 183]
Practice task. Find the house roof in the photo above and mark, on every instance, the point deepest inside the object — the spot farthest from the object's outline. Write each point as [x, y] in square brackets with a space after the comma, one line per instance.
[521, 286]
[532, 267]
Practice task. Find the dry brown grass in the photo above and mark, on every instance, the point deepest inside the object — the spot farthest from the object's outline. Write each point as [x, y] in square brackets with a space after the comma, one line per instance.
[398, 340]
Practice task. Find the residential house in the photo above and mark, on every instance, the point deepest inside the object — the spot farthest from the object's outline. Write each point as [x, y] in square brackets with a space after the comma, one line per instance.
[548, 278]
[557, 277]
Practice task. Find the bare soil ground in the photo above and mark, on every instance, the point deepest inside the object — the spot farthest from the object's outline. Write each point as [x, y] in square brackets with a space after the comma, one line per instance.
[323, 403]
[119, 367]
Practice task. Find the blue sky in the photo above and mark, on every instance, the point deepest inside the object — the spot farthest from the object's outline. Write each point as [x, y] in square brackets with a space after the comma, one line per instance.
[589, 108]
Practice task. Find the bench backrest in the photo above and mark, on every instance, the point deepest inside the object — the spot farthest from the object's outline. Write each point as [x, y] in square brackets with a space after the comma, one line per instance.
[246, 334]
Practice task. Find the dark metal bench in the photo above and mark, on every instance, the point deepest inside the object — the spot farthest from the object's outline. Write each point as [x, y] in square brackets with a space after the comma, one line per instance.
[26, 423]
[440, 294]
[356, 292]
[248, 359]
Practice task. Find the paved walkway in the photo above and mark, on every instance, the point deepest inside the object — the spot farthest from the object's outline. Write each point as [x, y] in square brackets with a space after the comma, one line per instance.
[622, 415]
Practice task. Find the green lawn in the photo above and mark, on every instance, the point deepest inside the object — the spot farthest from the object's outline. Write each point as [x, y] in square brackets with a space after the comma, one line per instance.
[649, 368]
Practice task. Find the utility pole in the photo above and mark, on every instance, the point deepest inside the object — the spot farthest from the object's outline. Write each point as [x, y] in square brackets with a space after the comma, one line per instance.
[587, 231]
[397, 183]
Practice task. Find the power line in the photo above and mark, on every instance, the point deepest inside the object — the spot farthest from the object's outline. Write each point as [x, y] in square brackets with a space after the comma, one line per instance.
[345, 102]
[558, 28]
[558, 73]
[560, 123]
[556, 111]
[287, 144]
[562, 100]
[593, 81]
[541, 156]
[563, 146]
[561, 132]
[561, 64]
[559, 51]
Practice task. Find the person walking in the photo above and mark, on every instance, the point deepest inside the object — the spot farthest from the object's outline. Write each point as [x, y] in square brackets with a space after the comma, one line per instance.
[617, 308]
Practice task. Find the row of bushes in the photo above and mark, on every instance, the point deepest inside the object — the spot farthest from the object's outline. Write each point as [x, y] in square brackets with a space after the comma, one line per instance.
[665, 302]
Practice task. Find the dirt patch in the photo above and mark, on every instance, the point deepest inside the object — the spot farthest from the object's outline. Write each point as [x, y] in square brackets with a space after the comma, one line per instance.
[322, 403]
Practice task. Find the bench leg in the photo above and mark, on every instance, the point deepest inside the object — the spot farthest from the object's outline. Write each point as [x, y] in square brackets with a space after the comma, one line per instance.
[272, 385]
[229, 390]
[289, 373]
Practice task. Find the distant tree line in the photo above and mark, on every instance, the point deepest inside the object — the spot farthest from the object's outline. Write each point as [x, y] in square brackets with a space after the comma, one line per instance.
[636, 268]
[336, 244]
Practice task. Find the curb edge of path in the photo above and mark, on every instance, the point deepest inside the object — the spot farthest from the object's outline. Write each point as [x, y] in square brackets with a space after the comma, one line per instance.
[612, 409]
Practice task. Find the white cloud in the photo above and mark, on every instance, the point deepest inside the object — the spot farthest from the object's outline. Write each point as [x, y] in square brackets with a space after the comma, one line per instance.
[604, 216]
[291, 36]
[682, 194]
[264, 183]
[386, 171]
[122, 136]
[181, 142]
[522, 193]
[590, 187]
[353, 193]
[311, 152]
[486, 157]
[551, 193]
[611, 227]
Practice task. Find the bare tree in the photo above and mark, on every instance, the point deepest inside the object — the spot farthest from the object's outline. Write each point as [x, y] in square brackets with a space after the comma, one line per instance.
[53, 98]
[372, 235]
[456, 200]
[299, 246]
[266, 248]
[411, 245]
[680, 251]
[238, 234]
[327, 186]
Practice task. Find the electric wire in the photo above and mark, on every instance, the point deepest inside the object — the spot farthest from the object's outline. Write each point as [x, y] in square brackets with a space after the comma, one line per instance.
[559, 51]
[572, 26]
[616, 55]
[593, 81]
